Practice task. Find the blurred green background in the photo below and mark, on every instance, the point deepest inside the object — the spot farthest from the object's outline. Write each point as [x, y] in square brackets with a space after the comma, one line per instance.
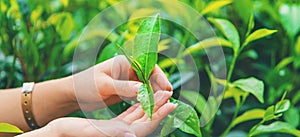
[38, 38]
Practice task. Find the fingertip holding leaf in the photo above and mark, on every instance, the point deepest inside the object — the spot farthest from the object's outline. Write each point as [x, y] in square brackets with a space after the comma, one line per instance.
[143, 59]
[146, 97]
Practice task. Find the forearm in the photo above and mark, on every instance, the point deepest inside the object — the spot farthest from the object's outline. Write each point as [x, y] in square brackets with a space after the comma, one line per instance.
[50, 100]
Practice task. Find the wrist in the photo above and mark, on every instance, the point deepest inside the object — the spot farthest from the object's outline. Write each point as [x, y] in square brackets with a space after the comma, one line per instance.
[53, 99]
[67, 88]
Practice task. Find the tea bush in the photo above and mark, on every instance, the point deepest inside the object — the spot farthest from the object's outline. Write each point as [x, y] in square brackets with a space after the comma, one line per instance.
[260, 40]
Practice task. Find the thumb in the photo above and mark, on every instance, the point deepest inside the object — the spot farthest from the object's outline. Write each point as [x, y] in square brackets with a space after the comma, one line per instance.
[125, 88]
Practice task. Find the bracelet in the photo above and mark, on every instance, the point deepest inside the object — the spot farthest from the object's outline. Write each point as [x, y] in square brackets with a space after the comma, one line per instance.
[27, 105]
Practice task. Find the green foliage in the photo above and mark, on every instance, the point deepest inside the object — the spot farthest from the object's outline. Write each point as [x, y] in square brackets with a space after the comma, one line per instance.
[143, 58]
[260, 40]
[8, 128]
[251, 85]
[185, 118]
[228, 30]
[276, 127]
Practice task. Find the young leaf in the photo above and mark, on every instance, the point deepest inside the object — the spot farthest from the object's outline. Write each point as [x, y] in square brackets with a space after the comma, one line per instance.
[276, 127]
[64, 24]
[144, 58]
[282, 106]
[214, 5]
[270, 114]
[228, 30]
[207, 43]
[253, 86]
[249, 115]
[258, 34]
[146, 98]
[8, 128]
[234, 93]
[251, 24]
[186, 118]
[163, 45]
[146, 45]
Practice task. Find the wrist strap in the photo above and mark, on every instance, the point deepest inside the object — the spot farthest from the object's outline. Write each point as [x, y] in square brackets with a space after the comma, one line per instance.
[26, 103]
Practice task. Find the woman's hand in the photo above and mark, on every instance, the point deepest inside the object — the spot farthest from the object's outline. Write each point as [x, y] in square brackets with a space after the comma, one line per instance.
[102, 85]
[133, 122]
[106, 83]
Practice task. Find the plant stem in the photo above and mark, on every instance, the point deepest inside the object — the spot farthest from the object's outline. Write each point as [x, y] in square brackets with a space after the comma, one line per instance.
[237, 109]
[255, 127]
[232, 65]
[230, 72]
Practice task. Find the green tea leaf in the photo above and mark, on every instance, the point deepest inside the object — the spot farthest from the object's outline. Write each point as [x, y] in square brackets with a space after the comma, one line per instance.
[214, 5]
[276, 127]
[234, 93]
[243, 9]
[283, 63]
[195, 98]
[253, 86]
[258, 34]
[228, 30]
[296, 97]
[8, 128]
[207, 43]
[64, 24]
[186, 118]
[144, 58]
[168, 62]
[292, 116]
[251, 24]
[249, 115]
[146, 45]
[297, 53]
[282, 106]
[167, 127]
[146, 98]
[270, 114]
[163, 45]
[289, 18]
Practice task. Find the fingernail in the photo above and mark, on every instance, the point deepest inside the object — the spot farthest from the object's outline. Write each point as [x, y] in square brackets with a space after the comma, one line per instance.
[129, 135]
[136, 87]
[169, 93]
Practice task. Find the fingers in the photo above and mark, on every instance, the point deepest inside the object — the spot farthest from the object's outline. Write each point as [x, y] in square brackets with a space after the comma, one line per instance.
[108, 86]
[129, 110]
[159, 80]
[163, 111]
[161, 97]
[143, 127]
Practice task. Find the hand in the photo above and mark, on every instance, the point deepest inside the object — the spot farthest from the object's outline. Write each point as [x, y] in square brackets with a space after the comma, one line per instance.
[133, 122]
[106, 83]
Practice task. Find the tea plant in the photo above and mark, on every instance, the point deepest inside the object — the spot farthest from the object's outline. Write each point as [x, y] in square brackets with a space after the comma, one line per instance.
[143, 59]
[262, 85]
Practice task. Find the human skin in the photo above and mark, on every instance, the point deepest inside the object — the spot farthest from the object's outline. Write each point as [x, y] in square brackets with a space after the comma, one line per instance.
[102, 85]
[132, 122]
